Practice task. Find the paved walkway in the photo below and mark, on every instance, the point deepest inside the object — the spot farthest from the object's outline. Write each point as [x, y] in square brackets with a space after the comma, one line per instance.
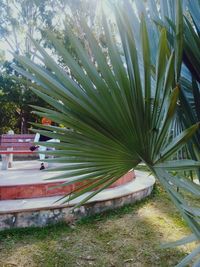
[26, 172]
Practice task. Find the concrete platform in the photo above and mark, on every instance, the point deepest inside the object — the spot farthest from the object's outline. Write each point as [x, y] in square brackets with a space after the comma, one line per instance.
[27, 181]
[141, 182]
[45, 210]
[26, 172]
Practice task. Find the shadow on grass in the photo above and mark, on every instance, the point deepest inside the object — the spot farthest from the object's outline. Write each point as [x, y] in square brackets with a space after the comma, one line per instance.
[118, 237]
[41, 232]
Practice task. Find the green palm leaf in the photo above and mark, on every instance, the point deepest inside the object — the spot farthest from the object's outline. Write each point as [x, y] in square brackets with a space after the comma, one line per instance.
[118, 110]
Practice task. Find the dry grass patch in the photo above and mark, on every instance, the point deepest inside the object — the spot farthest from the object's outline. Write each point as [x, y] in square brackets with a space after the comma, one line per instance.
[127, 237]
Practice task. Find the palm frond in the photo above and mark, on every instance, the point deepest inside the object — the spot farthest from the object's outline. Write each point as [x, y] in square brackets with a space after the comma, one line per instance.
[119, 108]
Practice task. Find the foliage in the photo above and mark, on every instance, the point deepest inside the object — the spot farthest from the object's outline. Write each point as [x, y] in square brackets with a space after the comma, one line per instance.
[120, 107]
[189, 99]
[18, 20]
[21, 17]
[8, 118]
[15, 99]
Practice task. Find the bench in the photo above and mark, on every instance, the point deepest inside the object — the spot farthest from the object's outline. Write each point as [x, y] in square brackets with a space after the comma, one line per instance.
[14, 144]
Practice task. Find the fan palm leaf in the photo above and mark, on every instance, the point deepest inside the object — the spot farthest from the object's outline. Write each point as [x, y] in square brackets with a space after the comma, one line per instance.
[163, 14]
[116, 110]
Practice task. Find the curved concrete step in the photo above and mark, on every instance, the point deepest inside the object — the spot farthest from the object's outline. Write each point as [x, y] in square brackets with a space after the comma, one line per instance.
[42, 211]
[27, 181]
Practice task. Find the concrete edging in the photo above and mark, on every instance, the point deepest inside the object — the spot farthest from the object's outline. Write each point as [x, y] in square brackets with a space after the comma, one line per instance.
[106, 200]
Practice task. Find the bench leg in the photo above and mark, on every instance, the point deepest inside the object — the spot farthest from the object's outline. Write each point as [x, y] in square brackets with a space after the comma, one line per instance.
[4, 162]
[7, 160]
[10, 158]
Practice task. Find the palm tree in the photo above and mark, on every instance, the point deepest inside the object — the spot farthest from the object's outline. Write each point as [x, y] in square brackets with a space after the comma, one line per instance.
[119, 108]
[188, 111]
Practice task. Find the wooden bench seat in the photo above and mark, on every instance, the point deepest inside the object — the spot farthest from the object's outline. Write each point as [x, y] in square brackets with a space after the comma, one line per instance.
[14, 144]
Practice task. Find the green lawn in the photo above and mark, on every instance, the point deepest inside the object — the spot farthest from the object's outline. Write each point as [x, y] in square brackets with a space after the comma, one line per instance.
[129, 236]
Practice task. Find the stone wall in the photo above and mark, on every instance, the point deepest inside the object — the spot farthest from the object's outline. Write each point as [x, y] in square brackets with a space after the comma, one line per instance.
[50, 215]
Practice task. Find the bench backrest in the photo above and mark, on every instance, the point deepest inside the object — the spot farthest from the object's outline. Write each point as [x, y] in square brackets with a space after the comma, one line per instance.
[16, 141]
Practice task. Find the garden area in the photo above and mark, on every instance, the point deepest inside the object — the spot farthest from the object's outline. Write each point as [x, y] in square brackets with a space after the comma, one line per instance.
[129, 236]
[100, 133]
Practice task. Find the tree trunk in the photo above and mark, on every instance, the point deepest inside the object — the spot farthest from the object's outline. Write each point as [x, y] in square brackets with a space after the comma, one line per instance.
[23, 129]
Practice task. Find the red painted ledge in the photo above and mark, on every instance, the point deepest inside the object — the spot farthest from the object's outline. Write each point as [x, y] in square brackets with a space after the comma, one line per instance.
[42, 189]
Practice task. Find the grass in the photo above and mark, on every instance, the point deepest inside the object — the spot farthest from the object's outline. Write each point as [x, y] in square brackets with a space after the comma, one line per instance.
[129, 236]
